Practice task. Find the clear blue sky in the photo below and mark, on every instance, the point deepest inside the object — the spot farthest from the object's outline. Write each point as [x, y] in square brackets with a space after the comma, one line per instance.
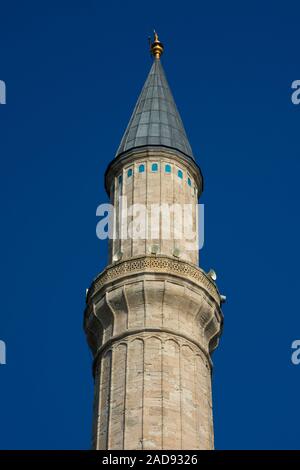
[73, 71]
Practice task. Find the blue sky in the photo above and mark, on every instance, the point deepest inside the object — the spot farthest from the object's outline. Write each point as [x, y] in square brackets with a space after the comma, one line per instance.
[73, 72]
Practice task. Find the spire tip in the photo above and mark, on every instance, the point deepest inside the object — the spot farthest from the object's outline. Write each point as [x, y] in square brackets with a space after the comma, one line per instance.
[156, 47]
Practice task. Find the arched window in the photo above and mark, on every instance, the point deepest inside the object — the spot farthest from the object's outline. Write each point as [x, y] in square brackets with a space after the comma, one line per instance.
[129, 173]
[141, 168]
[154, 167]
[168, 168]
[180, 174]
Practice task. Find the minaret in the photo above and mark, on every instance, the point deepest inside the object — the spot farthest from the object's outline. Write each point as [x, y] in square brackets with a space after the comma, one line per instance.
[153, 317]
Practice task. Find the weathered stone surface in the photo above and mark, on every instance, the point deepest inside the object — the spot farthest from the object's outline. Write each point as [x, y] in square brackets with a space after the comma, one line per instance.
[153, 368]
[149, 188]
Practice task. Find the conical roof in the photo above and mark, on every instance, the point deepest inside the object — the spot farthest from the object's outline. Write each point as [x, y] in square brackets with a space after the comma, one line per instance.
[155, 119]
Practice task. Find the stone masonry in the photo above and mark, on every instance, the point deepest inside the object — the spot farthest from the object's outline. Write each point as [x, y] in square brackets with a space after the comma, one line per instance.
[153, 317]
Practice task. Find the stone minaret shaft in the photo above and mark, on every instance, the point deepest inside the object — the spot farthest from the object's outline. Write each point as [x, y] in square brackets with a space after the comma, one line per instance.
[153, 317]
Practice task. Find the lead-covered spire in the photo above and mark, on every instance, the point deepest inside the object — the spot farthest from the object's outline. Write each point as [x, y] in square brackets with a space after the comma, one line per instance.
[155, 119]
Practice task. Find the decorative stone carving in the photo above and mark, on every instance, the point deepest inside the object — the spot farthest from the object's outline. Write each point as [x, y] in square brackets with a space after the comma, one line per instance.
[156, 264]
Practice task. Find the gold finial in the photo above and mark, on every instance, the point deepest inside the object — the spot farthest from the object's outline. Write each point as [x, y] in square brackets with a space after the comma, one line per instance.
[156, 47]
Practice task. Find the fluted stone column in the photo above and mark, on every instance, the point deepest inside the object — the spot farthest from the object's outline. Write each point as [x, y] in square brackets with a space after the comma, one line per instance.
[152, 323]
